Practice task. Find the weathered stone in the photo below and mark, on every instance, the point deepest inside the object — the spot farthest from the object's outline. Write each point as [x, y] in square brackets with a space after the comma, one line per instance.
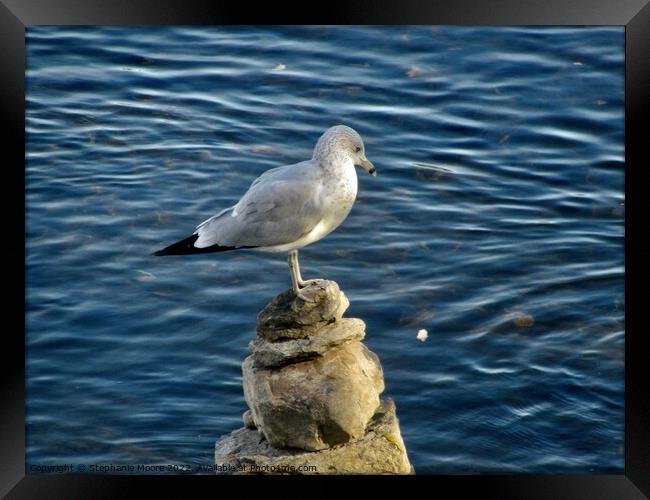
[249, 422]
[379, 451]
[313, 392]
[291, 317]
[279, 353]
[315, 404]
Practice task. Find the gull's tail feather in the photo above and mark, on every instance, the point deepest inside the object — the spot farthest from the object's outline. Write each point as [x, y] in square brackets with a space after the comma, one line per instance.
[186, 247]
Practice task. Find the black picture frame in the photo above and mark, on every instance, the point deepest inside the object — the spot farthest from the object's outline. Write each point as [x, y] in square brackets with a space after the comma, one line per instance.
[16, 15]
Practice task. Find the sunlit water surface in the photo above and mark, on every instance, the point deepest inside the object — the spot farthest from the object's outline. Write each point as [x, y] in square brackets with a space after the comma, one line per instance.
[496, 223]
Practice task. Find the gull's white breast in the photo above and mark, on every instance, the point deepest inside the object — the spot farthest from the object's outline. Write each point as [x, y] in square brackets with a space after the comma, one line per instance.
[337, 196]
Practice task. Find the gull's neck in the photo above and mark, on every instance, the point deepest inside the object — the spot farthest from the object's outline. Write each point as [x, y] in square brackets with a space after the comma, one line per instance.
[341, 177]
[331, 155]
[337, 164]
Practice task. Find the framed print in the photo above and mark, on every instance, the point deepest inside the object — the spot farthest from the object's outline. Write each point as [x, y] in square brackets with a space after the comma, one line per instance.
[473, 296]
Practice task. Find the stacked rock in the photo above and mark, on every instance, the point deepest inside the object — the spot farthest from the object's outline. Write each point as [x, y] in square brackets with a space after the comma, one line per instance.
[313, 392]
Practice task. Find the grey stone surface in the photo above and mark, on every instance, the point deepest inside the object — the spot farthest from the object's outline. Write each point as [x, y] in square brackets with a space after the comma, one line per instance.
[291, 317]
[379, 451]
[318, 403]
[249, 422]
[313, 391]
[279, 353]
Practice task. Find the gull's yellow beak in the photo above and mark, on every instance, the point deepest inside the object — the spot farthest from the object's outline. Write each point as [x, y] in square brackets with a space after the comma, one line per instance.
[368, 167]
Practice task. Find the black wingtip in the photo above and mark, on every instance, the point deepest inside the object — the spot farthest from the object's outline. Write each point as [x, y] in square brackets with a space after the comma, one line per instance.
[181, 247]
[186, 247]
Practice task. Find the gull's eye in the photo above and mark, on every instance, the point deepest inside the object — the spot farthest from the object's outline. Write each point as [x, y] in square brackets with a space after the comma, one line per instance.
[357, 149]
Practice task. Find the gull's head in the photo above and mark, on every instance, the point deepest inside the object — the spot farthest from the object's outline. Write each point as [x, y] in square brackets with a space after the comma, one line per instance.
[344, 141]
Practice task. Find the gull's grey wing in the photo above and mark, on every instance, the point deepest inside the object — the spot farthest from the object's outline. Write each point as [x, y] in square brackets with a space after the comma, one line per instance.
[281, 206]
[274, 172]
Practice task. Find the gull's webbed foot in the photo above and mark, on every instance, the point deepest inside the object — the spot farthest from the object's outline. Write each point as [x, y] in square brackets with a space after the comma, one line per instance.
[300, 289]
[301, 295]
[305, 283]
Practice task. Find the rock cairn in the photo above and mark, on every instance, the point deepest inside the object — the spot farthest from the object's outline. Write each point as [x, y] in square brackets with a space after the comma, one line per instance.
[312, 388]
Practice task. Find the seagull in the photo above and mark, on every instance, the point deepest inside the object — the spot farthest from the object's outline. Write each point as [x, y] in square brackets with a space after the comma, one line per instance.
[288, 207]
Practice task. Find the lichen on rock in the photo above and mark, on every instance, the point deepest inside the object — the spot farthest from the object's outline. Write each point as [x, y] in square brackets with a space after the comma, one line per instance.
[380, 450]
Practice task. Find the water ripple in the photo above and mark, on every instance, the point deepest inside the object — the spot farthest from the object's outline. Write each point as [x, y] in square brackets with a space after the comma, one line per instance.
[496, 223]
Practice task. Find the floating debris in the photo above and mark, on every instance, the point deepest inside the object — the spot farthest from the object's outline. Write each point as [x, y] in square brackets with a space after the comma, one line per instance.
[264, 150]
[429, 172]
[416, 319]
[523, 320]
[414, 72]
[417, 72]
[162, 218]
[430, 166]
[86, 120]
[146, 277]
[599, 102]
[430, 176]
[280, 67]
[422, 335]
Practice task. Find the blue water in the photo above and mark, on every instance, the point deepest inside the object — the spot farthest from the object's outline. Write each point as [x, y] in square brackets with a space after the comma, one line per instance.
[496, 223]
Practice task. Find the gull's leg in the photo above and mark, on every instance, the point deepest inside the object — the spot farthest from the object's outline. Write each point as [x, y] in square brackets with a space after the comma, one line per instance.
[296, 280]
[297, 268]
[295, 271]
[301, 282]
